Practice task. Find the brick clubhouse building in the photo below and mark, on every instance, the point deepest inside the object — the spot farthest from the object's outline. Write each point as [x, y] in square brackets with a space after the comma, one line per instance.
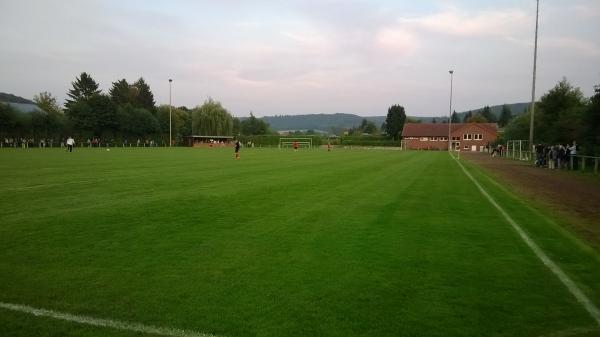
[465, 136]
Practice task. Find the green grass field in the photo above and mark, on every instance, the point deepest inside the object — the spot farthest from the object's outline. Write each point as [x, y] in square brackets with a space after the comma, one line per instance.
[280, 243]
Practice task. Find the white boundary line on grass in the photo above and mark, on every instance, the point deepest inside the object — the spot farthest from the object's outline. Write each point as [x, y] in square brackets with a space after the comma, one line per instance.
[107, 323]
[587, 304]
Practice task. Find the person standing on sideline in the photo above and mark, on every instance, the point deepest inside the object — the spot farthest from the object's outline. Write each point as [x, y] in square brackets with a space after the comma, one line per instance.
[295, 145]
[573, 150]
[237, 149]
[70, 143]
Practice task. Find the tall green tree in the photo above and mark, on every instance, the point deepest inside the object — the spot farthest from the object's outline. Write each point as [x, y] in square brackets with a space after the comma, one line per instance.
[559, 114]
[505, 116]
[180, 123]
[144, 97]
[254, 126]
[8, 120]
[84, 87]
[517, 128]
[237, 127]
[394, 121]
[467, 116]
[104, 114]
[486, 113]
[591, 125]
[454, 117]
[121, 92]
[53, 117]
[211, 119]
[46, 102]
[136, 122]
[477, 118]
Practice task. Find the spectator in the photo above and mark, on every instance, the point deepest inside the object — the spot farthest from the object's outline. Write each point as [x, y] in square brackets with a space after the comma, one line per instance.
[573, 150]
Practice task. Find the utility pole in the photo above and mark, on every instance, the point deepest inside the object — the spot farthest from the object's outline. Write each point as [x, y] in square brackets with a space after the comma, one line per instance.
[534, 74]
[450, 115]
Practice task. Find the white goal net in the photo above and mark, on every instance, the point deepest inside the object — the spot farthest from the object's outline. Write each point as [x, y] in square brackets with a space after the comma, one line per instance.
[288, 142]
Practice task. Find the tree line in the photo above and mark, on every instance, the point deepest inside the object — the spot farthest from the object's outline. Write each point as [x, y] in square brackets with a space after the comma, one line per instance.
[562, 115]
[127, 112]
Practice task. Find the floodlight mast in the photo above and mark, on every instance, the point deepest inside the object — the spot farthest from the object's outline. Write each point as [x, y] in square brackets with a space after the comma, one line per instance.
[170, 118]
[537, 13]
[450, 116]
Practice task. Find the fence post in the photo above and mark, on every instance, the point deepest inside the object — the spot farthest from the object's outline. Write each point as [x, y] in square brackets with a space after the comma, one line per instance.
[571, 163]
[596, 165]
[520, 151]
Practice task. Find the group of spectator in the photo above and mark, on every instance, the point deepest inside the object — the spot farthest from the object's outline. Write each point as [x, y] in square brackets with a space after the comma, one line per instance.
[26, 142]
[498, 150]
[90, 142]
[556, 156]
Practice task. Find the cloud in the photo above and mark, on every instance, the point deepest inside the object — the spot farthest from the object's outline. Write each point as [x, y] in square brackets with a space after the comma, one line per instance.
[572, 45]
[396, 40]
[500, 23]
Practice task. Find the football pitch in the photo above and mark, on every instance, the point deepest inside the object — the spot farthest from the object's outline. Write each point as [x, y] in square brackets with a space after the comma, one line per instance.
[190, 242]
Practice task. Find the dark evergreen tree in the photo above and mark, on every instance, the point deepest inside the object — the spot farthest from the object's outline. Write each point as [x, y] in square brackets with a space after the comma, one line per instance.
[144, 97]
[394, 121]
[467, 116]
[591, 126]
[237, 127]
[455, 117]
[84, 87]
[433, 120]
[122, 93]
[104, 112]
[505, 116]
[486, 113]
[8, 119]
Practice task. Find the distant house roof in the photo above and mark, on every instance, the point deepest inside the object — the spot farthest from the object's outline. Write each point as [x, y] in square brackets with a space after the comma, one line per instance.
[440, 130]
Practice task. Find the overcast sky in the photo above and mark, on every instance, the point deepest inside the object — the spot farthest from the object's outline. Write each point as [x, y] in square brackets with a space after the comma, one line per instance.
[293, 57]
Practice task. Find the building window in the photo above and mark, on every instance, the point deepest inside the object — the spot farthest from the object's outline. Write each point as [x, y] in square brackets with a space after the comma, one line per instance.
[455, 138]
[467, 136]
[466, 147]
[424, 139]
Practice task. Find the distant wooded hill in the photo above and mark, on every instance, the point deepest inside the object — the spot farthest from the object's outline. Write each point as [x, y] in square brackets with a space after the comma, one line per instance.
[17, 102]
[10, 98]
[323, 122]
[327, 122]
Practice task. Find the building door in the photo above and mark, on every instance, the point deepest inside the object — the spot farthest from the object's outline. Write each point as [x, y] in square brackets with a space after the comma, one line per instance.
[473, 148]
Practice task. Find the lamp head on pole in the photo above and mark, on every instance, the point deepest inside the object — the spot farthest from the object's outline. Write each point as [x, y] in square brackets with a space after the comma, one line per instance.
[451, 72]
[170, 80]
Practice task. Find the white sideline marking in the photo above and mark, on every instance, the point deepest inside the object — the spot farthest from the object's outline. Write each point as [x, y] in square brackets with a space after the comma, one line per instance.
[108, 323]
[587, 304]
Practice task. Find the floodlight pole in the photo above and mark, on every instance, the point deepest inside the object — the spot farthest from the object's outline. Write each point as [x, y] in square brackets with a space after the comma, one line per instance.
[450, 115]
[170, 128]
[537, 13]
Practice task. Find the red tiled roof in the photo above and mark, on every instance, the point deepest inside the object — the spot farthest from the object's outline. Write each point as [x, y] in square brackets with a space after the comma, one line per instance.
[440, 129]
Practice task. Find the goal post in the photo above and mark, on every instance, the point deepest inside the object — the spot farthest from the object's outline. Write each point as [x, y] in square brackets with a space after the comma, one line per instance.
[288, 142]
